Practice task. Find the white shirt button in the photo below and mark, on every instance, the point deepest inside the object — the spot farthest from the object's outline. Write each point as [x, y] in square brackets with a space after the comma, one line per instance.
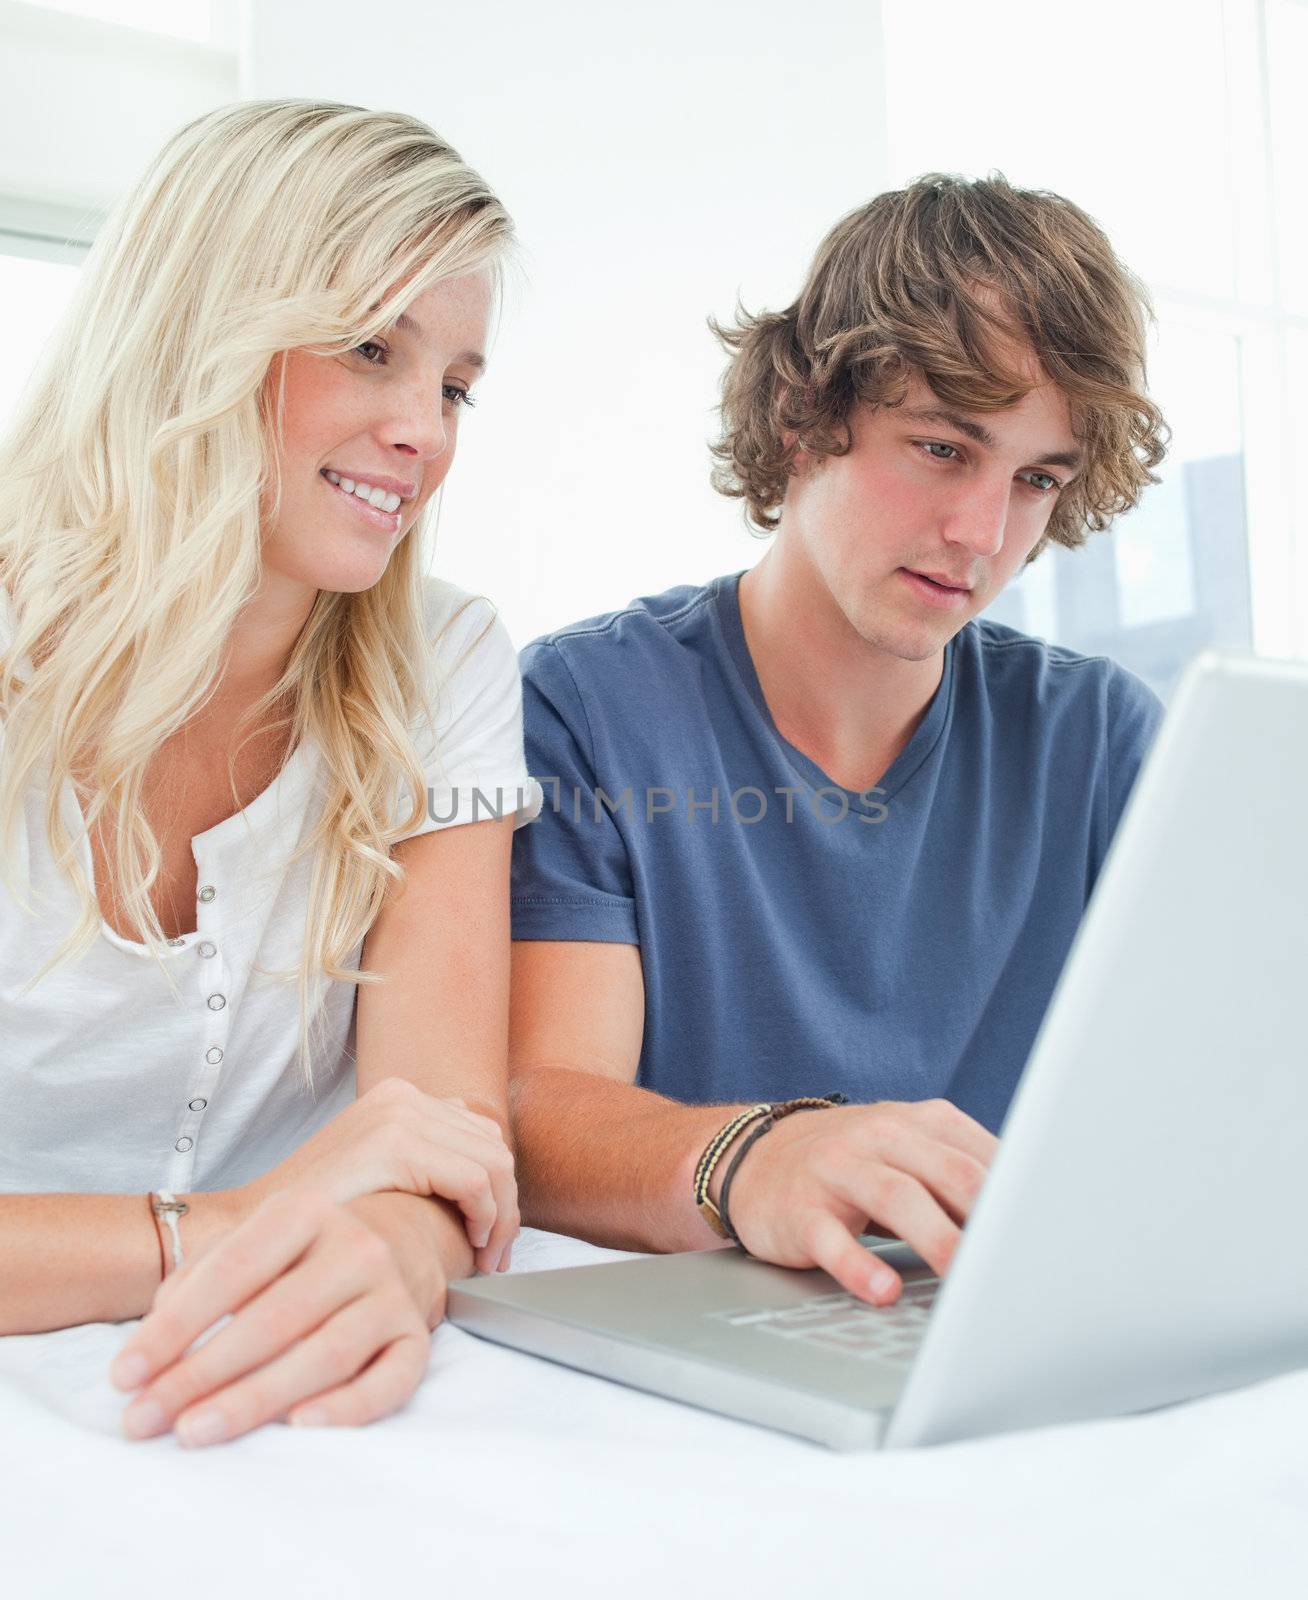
[176, 942]
[207, 893]
[198, 1105]
[213, 1056]
[207, 948]
[216, 1002]
[183, 1145]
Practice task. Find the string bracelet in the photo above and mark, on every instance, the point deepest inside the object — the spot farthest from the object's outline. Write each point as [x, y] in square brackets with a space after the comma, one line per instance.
[712, 1155]
[166, 1206]
[158, 1235]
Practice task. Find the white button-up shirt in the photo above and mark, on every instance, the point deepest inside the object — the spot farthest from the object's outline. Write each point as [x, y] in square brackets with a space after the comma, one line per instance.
[120, 1072]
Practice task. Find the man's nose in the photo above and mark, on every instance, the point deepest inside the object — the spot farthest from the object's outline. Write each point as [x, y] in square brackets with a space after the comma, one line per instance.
[979, 517]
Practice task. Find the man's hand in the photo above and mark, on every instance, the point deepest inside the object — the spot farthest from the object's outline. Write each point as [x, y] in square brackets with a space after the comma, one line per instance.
[817, 1179]
[322, 1321]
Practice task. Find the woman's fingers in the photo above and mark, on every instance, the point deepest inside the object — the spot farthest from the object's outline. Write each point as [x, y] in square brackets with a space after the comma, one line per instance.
[477, 1174]
[464, 1180]
[330, 1357]
[288, 1309]
[262, 1248]
[504, 1188]
[380, 1389]
[311, 1331]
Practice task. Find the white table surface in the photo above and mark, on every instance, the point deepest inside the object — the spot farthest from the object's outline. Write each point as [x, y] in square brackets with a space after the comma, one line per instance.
[505, 1475]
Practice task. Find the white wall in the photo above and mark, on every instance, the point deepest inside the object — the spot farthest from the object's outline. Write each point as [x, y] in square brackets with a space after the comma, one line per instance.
[659, 161]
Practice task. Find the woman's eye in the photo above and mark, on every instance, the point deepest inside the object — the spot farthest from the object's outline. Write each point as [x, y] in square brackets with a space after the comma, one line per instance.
[370, 344]
[457, 395]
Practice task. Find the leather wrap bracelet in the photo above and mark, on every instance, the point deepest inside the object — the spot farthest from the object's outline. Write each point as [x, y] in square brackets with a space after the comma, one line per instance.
[766, 1114]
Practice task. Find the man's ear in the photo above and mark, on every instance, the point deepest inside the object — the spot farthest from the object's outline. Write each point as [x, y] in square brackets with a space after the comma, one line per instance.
[800, 458]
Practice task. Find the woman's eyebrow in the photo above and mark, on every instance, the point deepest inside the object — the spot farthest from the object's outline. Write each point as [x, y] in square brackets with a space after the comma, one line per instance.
[472, 358]
[1072, 459]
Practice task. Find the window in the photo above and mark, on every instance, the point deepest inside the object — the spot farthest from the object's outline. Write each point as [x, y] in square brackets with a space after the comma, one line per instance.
[1174, 129]
[35, 292]
[186, 19]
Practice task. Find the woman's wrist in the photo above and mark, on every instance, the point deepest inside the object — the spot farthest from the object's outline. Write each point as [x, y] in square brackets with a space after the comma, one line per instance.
[209, 1217]
[428, 1239]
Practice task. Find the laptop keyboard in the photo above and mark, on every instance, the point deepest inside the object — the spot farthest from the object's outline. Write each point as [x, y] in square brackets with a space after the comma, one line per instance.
[888, 1334]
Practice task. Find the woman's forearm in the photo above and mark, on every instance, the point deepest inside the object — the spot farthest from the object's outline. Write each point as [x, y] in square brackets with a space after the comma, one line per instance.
[73, 1258]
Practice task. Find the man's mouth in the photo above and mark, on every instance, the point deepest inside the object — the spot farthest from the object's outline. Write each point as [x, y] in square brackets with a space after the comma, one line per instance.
[941, 581]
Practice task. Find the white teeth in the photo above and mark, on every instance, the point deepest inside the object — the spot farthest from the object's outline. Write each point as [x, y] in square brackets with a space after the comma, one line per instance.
[365, 492]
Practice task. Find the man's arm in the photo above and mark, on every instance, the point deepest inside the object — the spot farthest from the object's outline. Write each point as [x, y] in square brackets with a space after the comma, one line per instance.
[598, 1157]
[607, 1161]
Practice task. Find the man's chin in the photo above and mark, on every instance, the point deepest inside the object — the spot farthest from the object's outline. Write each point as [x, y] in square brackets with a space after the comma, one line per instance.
[906, 640]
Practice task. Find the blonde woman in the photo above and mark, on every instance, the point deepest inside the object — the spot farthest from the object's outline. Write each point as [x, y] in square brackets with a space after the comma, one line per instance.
[258, 779]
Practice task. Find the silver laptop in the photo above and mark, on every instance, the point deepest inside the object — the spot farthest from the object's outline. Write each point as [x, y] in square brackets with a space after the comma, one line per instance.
[1141, 1236]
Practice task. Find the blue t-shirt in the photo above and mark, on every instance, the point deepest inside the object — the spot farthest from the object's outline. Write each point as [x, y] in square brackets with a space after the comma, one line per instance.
[797, 937]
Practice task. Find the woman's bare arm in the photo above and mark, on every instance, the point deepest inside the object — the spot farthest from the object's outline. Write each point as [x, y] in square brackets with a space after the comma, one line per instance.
[72, 1258]
[440, 1016]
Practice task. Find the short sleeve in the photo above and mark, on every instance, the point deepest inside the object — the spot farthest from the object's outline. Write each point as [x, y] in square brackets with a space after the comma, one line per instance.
[469, 738]
[571, 871]
[1133, 715]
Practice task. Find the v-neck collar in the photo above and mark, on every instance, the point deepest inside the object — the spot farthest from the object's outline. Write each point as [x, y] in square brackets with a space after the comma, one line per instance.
[906, 763]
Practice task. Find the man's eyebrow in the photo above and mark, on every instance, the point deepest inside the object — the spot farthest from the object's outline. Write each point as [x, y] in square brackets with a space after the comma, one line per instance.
[1072, 459]
[472, 358]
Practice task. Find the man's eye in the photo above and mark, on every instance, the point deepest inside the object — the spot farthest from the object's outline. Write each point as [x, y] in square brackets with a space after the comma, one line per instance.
[932, 445]
[1047, 485]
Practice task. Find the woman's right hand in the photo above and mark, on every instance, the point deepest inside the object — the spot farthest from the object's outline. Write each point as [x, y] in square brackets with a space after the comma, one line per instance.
[395, 1136]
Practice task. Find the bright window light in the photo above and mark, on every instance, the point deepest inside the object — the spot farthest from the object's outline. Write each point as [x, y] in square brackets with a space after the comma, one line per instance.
[185, 19]
[35, 294]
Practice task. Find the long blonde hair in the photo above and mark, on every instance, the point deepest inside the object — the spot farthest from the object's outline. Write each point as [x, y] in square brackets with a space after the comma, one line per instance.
[132, 477]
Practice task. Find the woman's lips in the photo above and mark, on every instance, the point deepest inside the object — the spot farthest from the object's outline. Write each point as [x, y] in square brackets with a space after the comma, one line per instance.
[385, 521]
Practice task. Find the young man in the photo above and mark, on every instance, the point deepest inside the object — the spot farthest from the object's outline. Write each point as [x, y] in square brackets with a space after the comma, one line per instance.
[819, 827]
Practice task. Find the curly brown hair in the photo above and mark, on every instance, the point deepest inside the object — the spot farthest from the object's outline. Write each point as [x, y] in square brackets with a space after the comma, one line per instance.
[935, 278]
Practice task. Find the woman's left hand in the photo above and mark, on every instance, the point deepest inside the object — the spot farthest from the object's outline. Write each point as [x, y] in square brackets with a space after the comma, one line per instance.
[322, 1329]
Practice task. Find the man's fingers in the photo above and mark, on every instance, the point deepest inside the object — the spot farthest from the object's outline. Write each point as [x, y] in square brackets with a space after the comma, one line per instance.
[855, 1269]
[949, 1173]
[955, 1127]
[249, 1258]
[896, 1202]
